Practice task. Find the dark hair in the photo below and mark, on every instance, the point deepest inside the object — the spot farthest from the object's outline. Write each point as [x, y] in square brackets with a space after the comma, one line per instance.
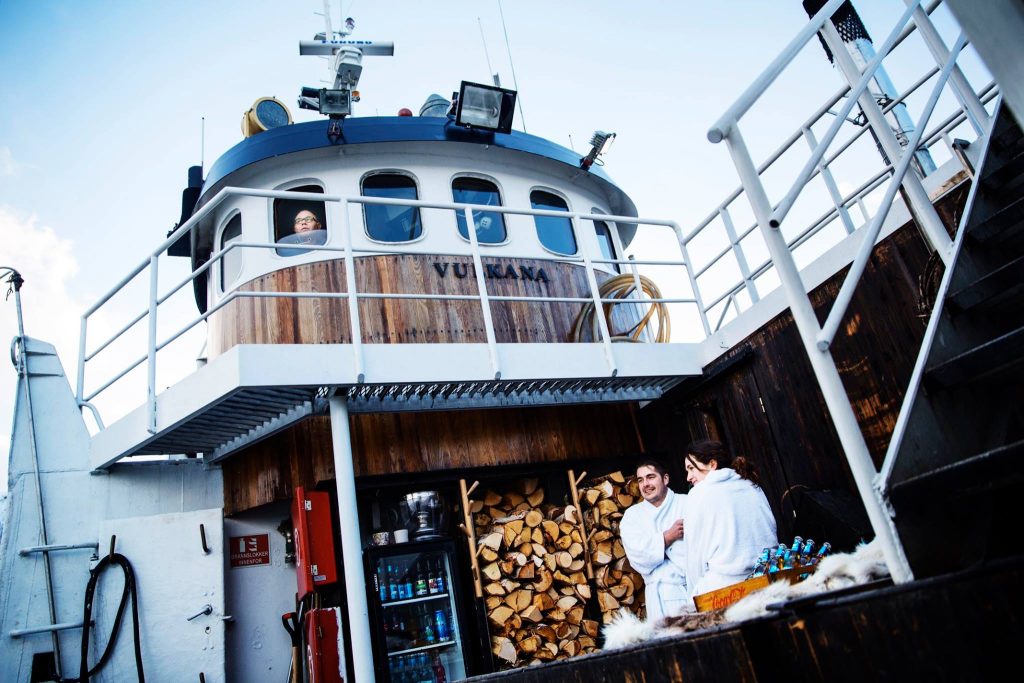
[655, 465]
[706, 451]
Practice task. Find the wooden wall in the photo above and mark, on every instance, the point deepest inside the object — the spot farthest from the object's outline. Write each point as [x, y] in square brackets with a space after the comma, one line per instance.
[417, 443]
[392, 321]
[762, 400]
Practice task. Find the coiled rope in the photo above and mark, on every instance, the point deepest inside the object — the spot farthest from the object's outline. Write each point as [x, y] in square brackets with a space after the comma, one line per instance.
[585, 327]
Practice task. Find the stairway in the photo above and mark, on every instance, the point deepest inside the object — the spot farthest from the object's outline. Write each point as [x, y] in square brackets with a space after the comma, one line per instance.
[958, 476]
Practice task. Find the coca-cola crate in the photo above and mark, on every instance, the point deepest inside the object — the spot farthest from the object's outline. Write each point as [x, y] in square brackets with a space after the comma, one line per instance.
[723, 597]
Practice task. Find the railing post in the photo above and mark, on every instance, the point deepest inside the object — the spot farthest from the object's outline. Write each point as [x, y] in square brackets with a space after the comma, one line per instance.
[688, 265]
[353, 296]
[836, 399]
[920, 206]
[741, 258]
[830, 183]
[151, 363]
[80, 382]
[595, 295]
[485, 301]
[962, 90]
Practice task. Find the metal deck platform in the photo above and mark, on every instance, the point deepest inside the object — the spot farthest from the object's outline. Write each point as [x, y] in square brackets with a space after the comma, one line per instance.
[254, 391]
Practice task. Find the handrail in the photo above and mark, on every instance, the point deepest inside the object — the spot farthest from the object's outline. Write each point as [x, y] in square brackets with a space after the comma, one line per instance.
[815, 338]
[475, 250]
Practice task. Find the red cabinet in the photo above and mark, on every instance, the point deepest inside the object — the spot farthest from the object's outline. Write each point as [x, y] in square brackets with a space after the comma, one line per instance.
[323, 645]
[315, 566]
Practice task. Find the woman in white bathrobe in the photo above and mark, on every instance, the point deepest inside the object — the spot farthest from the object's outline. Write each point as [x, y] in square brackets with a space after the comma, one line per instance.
[728, 521]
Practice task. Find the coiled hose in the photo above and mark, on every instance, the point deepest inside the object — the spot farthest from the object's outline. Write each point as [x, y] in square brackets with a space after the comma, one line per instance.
[85, 673]
[622, 287]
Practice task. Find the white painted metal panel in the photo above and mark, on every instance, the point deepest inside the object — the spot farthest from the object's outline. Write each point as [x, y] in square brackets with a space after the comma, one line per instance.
[175, 580]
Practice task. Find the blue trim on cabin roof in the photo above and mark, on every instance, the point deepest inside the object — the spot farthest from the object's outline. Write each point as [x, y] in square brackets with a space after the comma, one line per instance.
[313, 135]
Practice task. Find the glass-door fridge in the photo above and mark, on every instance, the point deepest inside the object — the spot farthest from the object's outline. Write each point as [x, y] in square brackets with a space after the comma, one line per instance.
[415, 613]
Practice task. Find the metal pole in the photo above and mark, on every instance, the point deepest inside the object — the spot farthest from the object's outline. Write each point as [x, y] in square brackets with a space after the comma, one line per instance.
[918, 202]
[353, 300]
[151, 354]
[830, 183]
[693, 280]
[595, 295]
[485, 302]
[838, 403]
[351, 549]
[963, 91]
[23, 370]
[741, 258]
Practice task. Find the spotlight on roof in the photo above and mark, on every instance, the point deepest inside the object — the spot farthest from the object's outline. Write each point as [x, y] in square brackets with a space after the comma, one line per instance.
[265, 113]
[485, 107]
[600, 143]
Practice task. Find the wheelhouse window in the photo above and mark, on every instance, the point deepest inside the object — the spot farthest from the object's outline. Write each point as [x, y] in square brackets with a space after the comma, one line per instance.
[490, 225]
[300, 221]
[554, 232]
[607, 244]
[386, 223]
[231, 263]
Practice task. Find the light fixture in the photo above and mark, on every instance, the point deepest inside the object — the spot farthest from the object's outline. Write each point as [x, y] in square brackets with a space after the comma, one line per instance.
[265, 113]
[485, 107]
[600, 143]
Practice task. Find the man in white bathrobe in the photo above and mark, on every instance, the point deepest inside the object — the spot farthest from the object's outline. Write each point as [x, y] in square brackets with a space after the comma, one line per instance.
[652, 535]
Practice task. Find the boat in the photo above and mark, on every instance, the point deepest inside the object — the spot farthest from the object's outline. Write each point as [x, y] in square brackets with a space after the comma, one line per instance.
[434, 349]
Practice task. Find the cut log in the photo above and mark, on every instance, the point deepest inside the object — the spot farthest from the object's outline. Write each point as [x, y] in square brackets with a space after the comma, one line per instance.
[544, 581]
[550, 529]
[548, 633]
[566, 603]
[591, 496]
[607, 602]
[476, 506]
[534, 518]
[577, 565]
[618, 552]
[571, 515]
[491, 571]
[492, 540]
[491, 498]
[576, 549]
[535, 498]
[529, 645]
[543, 602]
[606, 489]
[564, 559]
[527, 571]
[528, 486]
[512, 499]
[493, 588]
[624, 500]
[500, 614]
[590, 627]
[533, 614]
[488, 555]
[504, 649]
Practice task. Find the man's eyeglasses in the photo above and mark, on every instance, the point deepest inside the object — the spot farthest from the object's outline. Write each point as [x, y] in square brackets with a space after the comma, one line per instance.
[306, 219]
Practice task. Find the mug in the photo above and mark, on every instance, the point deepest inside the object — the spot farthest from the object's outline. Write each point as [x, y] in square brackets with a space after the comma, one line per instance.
[381, 538]
[401, 535]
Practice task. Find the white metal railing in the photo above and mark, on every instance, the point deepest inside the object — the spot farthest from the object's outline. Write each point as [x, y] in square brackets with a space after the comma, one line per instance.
[769, 217]
[156, 298]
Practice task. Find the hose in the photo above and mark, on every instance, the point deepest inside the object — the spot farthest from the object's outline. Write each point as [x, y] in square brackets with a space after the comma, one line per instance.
[85, 673]
[622, 287]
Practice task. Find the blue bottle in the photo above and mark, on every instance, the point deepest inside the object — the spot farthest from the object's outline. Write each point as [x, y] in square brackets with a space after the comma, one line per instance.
[442, 625]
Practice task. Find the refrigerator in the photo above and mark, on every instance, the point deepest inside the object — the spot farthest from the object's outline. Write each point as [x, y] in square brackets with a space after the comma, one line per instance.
[417, 626]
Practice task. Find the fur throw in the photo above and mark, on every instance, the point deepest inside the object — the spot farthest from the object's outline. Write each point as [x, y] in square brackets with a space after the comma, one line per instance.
[834, 572]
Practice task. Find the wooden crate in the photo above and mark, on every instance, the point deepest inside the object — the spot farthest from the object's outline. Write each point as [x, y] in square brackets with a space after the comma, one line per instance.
[723, 597]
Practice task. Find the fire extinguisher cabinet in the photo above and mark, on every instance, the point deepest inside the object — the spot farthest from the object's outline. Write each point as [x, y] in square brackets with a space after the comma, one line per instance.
[315, 565]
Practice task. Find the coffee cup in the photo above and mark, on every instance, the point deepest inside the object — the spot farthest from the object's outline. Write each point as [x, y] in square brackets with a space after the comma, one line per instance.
[381, 538]
[401, 535]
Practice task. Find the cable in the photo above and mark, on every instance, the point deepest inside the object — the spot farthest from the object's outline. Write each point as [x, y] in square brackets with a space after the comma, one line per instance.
[85, 673]
[622, 287]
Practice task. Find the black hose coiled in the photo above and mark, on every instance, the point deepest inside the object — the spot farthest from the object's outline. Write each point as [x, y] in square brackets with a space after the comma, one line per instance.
[85, 673]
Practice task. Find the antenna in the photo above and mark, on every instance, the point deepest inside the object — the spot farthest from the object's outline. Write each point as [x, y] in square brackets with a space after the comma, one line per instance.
[328, 30]
[515, 82]
[487, 55]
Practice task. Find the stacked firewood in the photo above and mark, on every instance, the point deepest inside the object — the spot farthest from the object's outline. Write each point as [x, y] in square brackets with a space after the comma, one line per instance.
[532, 567]
[603, 500]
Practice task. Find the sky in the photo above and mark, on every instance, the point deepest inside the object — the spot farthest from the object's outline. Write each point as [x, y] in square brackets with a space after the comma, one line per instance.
[103, 104]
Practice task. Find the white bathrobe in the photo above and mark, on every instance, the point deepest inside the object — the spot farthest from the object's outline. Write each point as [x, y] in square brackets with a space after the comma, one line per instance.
[728, 524]
[642, 529]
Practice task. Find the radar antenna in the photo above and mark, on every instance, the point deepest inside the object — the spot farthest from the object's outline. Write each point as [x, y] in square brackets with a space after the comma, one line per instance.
[346, 66]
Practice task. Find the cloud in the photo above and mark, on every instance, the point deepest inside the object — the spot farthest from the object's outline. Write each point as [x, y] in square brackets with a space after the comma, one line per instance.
[8, 166]
[47, 263]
